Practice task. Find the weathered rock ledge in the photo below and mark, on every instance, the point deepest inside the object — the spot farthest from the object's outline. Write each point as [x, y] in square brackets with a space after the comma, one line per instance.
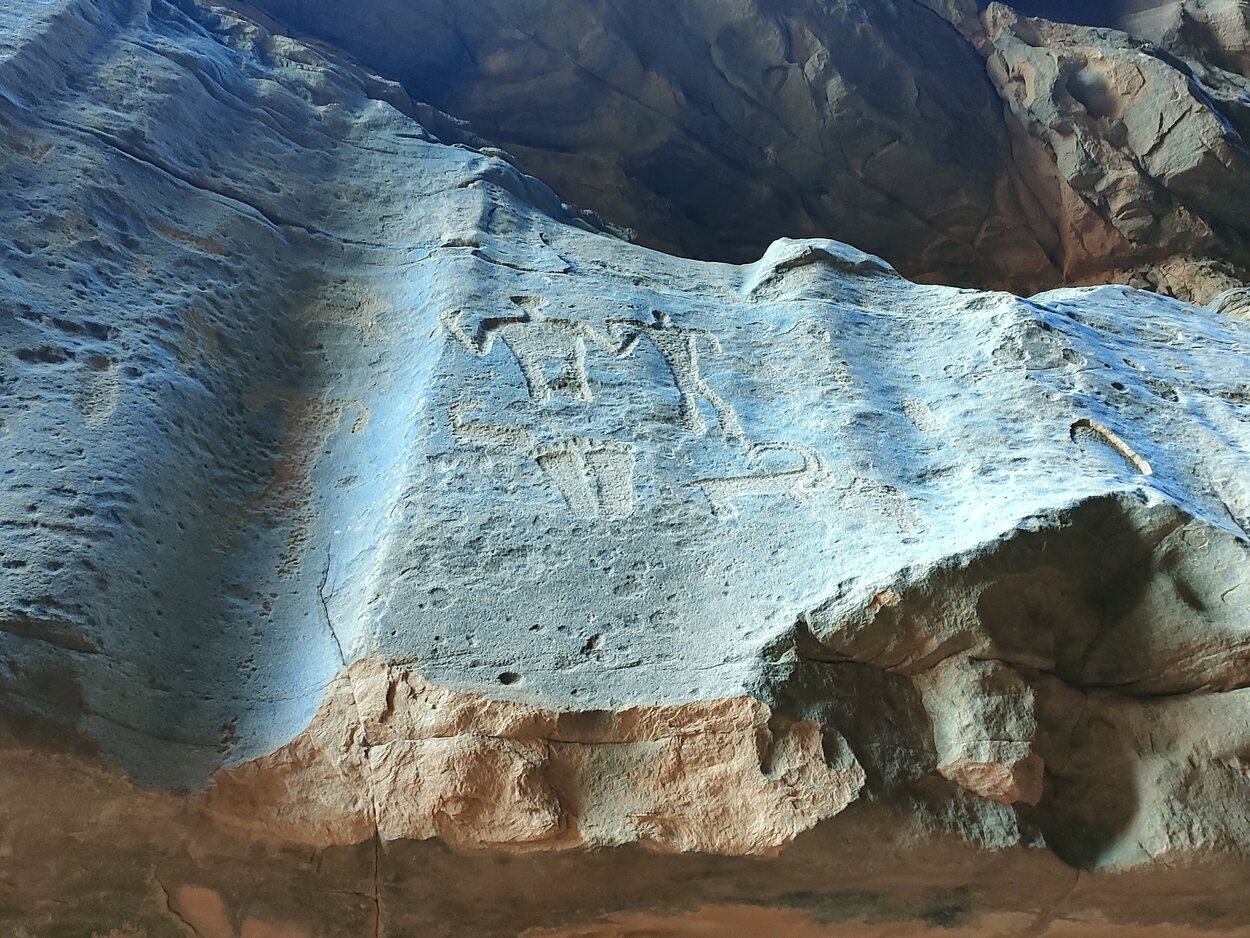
[391, 756]
[963, 141]
[388, 548]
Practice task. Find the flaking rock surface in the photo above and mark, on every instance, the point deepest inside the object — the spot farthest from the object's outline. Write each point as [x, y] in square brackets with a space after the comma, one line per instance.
[378, 533]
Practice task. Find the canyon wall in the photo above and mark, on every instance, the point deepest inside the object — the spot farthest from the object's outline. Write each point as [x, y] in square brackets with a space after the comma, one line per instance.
[394, 542]
[981, 148]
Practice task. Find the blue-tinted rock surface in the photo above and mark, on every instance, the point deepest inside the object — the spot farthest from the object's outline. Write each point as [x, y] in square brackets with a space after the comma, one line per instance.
[357, 489]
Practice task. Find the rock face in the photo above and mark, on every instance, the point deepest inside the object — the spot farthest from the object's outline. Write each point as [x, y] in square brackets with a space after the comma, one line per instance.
[707, 776]
[712, 128]
[379, 532]
[1138, 149]
[976, 147]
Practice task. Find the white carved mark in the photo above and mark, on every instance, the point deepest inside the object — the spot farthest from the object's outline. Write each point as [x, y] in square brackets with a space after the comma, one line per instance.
[612, 466]
[1092, 428]
[594, 477]
[512, 440]
[679, 347]
[536, 341]
[798, 483]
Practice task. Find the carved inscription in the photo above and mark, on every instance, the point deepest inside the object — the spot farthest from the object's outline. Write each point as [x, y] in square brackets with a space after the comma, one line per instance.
[679, 347]
[595, 477]
[798, 482]
[536, 342]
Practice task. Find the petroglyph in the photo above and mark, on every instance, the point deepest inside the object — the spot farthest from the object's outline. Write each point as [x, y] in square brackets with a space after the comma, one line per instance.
[566, 468]
[536, 341]
[1085, 429]
[594, 477]
[798, 484]
[512, 440]
[679, 347]
[612, 466]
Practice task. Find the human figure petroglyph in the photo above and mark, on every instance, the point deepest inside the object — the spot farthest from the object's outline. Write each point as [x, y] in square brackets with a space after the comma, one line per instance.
[798, 484]
[594, 477]
[679, 346]
[536, 340]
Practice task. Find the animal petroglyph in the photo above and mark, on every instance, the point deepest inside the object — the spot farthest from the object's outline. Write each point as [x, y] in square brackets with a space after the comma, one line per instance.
[679, 347]
[594, 477]
[798, 484]
[536, 341]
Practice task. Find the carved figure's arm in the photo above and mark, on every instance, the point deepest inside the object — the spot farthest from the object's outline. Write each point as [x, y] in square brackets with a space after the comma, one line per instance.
[611, 343]
[633, 328]
[450, 318]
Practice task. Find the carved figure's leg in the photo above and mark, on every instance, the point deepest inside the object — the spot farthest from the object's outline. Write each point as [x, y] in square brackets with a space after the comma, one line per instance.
[566, 468]
[724, 413]
[613, 468]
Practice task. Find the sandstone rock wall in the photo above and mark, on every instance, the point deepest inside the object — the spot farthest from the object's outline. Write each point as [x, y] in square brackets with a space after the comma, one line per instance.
[379, 533]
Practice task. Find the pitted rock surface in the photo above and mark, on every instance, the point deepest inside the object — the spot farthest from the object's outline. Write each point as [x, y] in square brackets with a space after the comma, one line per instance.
[358, 492]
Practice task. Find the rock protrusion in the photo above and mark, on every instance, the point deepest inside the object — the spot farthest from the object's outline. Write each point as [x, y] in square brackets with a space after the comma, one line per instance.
[389, 752]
